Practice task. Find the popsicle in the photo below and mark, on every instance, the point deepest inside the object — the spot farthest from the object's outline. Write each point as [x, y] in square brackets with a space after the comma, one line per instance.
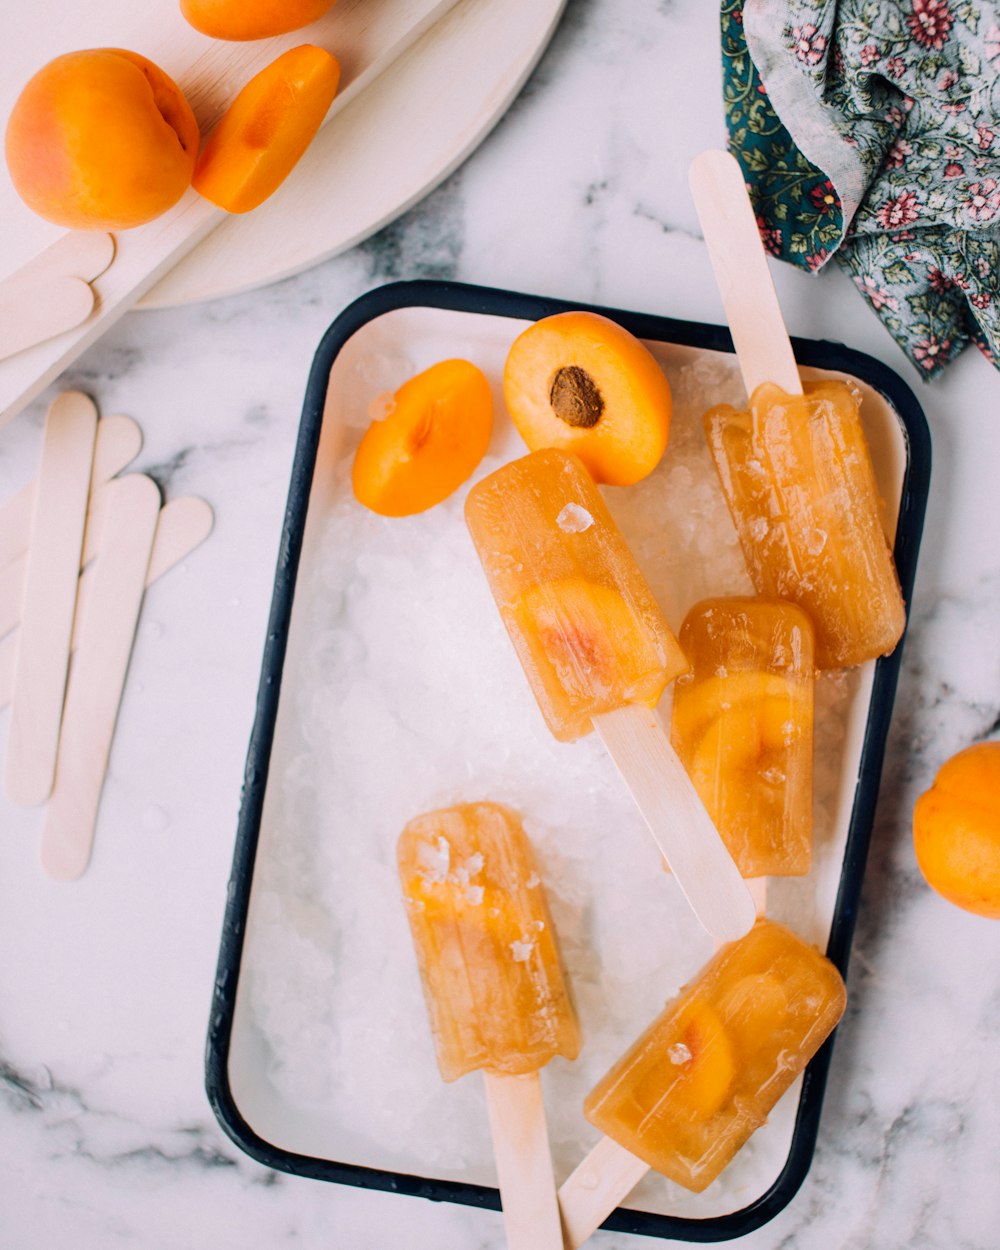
[795, 466]
[494, 986]
[743, 727]
[706, 1073]
[598, 654]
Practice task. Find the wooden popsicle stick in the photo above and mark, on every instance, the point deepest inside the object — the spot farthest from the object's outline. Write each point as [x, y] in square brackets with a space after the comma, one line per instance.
[183, 524]
[77, 254]
[117, 444]
[599, 1184]
[97, 677]
[524, 1164]
[740, 265]
[58, 520]
[678, 821]
[366, 38]
[47, 308]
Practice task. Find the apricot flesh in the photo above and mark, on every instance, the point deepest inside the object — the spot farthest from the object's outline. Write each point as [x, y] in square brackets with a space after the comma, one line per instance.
[581, 382]
[435, 433]
[101, 139]
[252, 19]
[266, 130]
[956, 830]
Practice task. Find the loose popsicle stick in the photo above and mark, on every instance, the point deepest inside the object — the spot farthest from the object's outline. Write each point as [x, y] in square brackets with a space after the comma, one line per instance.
[678, 821]
[366, 38]
[183, 524]
[97, 677]
[118, 442]
[599, 1184]
[740, 264]
[77, 254]
[59, 517]
[524, 1164]
[30, 315]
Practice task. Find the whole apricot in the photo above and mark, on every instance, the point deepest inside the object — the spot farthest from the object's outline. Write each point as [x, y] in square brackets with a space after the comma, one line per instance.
[252, 19]
[101, 139]
[435, 431]
[956, 830]
[582, 383]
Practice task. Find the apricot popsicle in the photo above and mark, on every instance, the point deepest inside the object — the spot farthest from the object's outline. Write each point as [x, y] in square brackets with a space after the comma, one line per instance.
[707, 1072]
[798, 478]
[494, 988]
[743, 727]
[598, 653]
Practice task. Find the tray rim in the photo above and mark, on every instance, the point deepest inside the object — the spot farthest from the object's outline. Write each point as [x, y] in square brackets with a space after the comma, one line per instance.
[489, 301]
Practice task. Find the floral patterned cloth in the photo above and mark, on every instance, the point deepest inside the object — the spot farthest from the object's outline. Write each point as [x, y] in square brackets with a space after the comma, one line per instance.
[869, 133]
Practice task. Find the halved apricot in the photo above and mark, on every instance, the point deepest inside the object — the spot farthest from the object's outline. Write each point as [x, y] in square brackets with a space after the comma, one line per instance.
[265, 131]
[435, 433]
[252, 19]
[581, 382]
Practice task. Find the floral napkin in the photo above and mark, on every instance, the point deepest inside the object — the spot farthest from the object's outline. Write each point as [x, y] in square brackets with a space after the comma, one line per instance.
[869, 133]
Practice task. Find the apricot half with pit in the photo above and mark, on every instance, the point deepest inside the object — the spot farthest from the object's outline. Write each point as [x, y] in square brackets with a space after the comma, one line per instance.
[583, 383]
[101, 139]
[435, 431]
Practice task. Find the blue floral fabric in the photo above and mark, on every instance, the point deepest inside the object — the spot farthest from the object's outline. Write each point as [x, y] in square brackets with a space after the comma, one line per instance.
[869, 134]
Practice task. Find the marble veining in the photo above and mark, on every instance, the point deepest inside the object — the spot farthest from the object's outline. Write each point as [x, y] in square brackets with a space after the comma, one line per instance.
[107, 1141]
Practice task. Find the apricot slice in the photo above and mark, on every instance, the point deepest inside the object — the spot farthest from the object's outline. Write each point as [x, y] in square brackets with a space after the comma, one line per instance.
[265, 131]
[696, 1067]
[252, 19]
[590, 649]
[580, 382]
[101, 139]
[435, 434]
[956, 830]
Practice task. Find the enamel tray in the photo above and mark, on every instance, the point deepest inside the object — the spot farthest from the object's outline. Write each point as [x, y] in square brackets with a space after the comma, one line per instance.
[388, 688]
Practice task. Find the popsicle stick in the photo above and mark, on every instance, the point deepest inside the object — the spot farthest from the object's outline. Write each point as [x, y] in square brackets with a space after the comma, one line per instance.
[30, 315]
[97, 677]
[78, 254]
[366, 38]
[58, 520]
[183, 525]
[740, 264]
[678, 821]
[524, 1164]
[117, 444]
[599, 1184]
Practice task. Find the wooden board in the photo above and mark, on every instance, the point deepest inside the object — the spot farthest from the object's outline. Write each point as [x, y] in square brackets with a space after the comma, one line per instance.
[363, 170]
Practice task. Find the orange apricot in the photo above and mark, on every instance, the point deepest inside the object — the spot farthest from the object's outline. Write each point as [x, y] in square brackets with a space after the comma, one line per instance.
[265, 131]
[436, 431]
[956, 830]
[252, 19]
[580, 382]
[101, 139]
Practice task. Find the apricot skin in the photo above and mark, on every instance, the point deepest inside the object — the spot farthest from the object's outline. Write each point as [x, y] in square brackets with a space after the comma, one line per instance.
[101, 139]
[252, 19]
[956, 830]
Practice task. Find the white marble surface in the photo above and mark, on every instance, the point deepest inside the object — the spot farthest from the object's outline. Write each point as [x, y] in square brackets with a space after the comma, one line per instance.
[106, 1138]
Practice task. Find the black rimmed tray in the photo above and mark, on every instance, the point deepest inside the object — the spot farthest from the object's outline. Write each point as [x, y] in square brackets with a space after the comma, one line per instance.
[901, 447]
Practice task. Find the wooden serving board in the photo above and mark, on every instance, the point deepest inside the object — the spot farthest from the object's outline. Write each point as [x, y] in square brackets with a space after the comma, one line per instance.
[400, 135]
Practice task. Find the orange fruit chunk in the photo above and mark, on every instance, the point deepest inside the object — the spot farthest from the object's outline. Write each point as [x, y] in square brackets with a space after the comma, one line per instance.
[581, 382]
[265, 131]
[434, 435]
[251, 19]
[956, 830]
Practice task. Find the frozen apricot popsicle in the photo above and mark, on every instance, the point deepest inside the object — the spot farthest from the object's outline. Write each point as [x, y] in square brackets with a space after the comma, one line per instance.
[743, 727]
[494, 987]
[707, 1072]
[598, 653]
[798, 478]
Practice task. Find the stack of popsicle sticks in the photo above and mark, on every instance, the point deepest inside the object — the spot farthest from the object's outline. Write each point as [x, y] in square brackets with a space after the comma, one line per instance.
[607, 1175]
[78, 547]
[366, 38]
